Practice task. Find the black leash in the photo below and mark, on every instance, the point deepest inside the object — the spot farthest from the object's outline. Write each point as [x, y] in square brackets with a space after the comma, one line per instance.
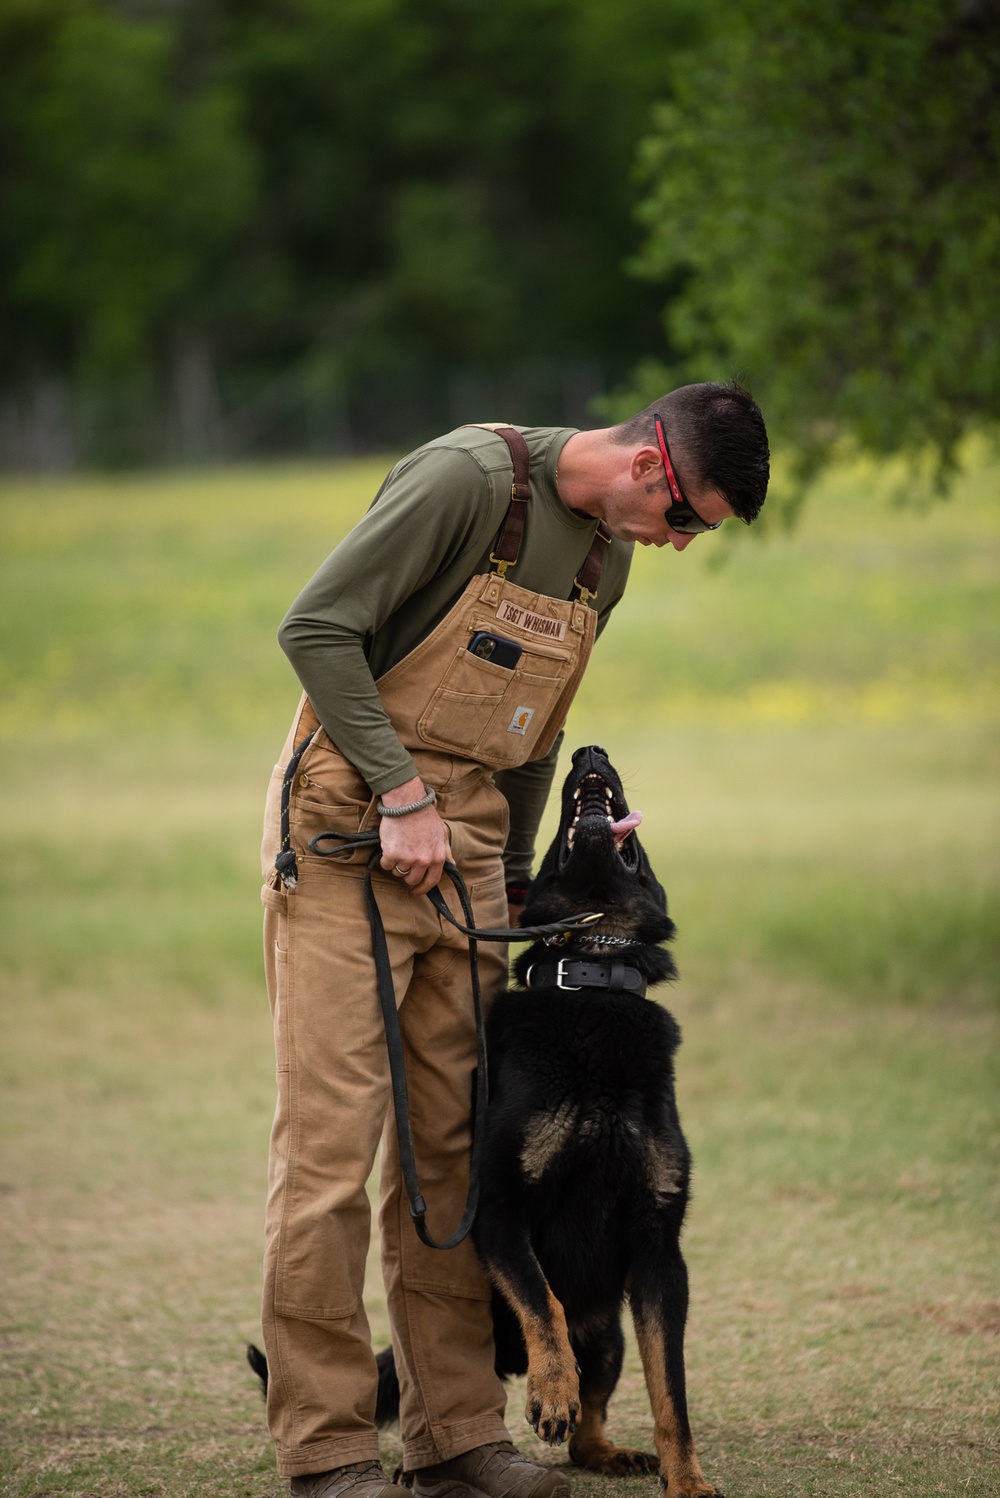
[286, 864]
[348, 842]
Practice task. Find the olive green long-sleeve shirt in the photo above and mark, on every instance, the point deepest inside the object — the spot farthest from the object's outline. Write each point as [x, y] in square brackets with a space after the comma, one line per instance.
[431, 528]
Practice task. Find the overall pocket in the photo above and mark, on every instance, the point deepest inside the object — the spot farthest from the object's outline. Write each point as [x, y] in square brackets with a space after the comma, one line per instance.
[494, 714]
[462, 706]
[327, 794]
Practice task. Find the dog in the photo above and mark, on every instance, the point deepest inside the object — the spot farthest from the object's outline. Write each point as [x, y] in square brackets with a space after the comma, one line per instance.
[586, 1171]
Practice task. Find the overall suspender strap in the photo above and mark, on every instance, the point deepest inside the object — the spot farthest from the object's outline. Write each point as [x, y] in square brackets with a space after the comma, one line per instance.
[508, 544]
[589, 574]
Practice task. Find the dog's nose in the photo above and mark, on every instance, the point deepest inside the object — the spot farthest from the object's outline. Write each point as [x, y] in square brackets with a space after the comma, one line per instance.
[589, 749]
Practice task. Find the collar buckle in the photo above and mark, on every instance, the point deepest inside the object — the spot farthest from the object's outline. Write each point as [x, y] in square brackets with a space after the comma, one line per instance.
[560, 975]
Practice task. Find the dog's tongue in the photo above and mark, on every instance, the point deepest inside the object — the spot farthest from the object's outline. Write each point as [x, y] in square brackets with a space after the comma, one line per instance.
[627, 824]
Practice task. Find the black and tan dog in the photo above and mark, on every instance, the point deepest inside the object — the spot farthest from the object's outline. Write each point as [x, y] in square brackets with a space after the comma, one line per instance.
[585, 1169]
[585, 1175]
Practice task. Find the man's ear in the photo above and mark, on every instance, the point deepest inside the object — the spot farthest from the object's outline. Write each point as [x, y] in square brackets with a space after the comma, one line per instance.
[646, 460]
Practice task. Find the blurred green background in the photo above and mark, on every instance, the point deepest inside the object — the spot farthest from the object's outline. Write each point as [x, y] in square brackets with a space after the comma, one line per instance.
[251, 249]
[232, 228]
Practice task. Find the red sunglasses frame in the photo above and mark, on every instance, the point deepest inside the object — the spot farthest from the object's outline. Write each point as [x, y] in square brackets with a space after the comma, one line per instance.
[682, 510]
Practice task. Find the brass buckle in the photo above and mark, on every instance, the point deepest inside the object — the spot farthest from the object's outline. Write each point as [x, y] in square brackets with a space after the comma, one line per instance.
[501, 565]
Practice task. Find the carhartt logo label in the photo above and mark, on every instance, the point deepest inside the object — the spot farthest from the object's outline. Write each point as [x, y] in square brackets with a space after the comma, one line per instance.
[537, 624]
[522, 717]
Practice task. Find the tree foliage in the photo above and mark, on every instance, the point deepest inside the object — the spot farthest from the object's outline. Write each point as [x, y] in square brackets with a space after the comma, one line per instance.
[122, 186]
[824, 210]
[386, 180]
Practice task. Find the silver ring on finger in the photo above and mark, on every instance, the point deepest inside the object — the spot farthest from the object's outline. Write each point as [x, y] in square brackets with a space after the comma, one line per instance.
[401, 872]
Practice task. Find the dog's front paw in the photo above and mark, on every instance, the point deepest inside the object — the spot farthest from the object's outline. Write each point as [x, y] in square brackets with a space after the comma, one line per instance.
[553, 1405]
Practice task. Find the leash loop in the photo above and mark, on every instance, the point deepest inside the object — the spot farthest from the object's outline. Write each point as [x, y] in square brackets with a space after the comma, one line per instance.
[397, 1064]
[350, 842]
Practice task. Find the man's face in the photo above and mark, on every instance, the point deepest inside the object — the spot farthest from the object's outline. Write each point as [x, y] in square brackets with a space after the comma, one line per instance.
[638, 507]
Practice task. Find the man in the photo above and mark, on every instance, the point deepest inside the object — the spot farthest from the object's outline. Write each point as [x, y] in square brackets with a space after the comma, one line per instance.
[428, 671]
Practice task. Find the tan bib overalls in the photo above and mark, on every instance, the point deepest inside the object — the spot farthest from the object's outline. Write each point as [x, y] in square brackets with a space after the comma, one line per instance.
[460, 717]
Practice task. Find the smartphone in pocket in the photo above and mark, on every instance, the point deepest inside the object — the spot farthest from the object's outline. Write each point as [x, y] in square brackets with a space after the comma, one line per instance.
[495, 648]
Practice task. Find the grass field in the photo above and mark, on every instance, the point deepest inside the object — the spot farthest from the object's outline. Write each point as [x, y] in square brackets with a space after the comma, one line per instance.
[811, 731]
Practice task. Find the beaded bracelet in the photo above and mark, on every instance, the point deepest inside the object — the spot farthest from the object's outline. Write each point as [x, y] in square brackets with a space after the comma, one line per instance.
[402, 811]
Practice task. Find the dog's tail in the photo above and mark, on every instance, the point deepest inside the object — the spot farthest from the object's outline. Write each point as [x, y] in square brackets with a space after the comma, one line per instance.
[258, 1362]
[387, 1400]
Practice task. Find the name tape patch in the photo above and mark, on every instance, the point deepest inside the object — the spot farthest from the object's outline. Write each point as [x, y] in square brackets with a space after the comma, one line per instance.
[522, 717]
[536, 624]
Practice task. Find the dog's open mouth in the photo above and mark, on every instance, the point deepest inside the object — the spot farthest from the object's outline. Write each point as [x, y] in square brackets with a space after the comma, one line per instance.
[595, 806]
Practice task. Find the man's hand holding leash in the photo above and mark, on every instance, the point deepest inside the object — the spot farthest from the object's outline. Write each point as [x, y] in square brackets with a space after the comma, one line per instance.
[414, 843]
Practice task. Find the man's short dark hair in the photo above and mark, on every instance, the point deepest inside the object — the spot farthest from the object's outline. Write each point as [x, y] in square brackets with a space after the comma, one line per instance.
[717, 440]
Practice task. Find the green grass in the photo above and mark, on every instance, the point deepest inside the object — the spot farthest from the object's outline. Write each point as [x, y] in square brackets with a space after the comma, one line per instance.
[810, 730]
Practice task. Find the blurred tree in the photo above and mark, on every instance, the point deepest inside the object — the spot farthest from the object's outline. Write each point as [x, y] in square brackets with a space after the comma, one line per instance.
[824, 210]
[122, 187]
[450, 179]
[346, 185]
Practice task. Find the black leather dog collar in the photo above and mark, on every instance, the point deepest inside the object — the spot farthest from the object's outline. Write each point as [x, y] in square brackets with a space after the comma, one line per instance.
[613, 976]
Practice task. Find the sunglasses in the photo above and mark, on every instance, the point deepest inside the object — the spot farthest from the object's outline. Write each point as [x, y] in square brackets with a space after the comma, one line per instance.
[681, 517]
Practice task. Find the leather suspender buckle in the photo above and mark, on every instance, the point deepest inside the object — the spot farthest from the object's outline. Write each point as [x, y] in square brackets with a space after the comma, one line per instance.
[501, 564]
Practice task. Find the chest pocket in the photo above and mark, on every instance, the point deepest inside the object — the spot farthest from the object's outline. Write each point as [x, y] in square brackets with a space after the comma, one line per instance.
[494, 714]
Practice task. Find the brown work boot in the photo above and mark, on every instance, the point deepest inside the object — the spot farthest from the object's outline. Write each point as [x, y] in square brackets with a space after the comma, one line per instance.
[494, 1471]
[356, 1480]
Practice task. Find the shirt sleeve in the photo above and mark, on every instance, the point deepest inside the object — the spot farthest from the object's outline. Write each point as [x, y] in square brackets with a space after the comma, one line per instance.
[435, 508]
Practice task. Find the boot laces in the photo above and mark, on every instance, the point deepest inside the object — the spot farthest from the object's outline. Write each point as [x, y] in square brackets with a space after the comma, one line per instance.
[360, 1470]
[506, 1450]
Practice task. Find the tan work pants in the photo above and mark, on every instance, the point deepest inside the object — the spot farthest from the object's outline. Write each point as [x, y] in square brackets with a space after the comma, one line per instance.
[334, 1104]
